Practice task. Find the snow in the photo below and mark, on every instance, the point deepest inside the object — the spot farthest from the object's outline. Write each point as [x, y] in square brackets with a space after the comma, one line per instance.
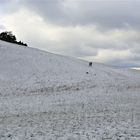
[44, 96]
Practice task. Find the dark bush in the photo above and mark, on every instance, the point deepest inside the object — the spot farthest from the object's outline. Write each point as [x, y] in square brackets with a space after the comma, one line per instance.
[21, 43]
[9, 37]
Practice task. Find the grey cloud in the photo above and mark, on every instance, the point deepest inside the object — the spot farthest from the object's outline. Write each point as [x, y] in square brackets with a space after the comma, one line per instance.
[80, 50]
[123, 63]
[108, 13]
[9, 6]
[50, 9]
[129, 62]
[4, 1]
[2, 27]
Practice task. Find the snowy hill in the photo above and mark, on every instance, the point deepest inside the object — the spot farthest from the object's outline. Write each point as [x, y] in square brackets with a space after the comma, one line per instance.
[48, 96]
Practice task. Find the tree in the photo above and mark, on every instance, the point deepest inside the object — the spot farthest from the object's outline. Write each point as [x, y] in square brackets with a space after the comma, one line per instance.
[9, 37]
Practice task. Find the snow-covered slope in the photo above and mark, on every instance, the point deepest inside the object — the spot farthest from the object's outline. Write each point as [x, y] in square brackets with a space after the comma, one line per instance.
[48, 96]
[26, 68]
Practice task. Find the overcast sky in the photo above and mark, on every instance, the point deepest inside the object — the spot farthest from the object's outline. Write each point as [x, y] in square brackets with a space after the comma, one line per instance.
[106, 31]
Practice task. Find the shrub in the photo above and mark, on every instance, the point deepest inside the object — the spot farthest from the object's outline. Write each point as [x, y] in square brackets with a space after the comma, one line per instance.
[9, 37]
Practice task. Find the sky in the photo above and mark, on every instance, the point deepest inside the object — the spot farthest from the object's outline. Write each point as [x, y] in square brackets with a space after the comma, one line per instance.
[105, 31]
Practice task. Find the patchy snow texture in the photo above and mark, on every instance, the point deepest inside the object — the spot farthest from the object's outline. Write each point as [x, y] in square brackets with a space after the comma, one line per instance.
[44, 96]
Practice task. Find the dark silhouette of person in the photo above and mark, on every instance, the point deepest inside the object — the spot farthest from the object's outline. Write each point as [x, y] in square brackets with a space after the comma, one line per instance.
[90, 64]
